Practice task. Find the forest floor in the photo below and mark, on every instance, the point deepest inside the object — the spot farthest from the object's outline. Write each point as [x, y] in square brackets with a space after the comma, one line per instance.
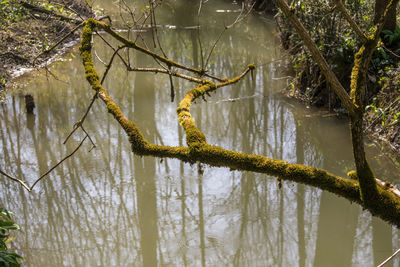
[27, 31]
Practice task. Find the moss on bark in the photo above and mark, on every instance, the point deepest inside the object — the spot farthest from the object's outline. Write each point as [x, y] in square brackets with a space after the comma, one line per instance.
[387, 205]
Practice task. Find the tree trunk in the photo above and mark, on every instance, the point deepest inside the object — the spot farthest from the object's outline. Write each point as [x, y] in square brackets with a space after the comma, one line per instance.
[380, 6]
[366, 178]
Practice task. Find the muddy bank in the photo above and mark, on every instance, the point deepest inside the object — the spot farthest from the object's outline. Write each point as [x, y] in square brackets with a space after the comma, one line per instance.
[28, 30]
[338, 44]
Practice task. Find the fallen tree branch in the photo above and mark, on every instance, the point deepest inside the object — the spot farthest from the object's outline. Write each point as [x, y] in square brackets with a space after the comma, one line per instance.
[198, 150]
[58, 43]
[48, 12]
[129, 43]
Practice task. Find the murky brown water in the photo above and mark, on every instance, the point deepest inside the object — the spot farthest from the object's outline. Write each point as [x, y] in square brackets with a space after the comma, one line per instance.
[111, 208]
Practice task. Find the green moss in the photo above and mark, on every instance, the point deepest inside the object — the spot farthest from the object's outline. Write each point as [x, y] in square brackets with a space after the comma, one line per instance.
[352, 175]
[387, 207]
[251, 66]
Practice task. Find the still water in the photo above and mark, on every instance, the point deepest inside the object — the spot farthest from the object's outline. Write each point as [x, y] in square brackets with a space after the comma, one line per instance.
[108, 207]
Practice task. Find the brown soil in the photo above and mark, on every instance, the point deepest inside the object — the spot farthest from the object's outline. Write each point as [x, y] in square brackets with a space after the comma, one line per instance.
[34, 30]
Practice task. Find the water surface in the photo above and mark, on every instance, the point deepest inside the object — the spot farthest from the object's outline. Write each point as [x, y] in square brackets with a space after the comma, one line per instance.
[109, 207]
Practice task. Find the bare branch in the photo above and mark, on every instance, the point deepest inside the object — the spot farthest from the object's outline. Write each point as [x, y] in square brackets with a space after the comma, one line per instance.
[237, 20]
[350, 20]
[16, 180]
[57, 164]
[46, 173]
[59, 42]
[319, 58]
[388, 259]
[173, 73]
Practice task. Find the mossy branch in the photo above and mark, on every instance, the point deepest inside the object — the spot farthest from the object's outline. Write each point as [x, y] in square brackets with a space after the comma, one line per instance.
[388, 206]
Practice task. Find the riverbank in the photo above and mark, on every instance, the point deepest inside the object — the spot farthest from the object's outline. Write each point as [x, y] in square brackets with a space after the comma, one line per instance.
[339, 44]
[29, 29]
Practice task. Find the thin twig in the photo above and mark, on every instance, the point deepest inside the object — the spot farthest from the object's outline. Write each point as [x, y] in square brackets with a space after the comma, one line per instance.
[46, 173]
[99, 58]
[200, 6]
[107, 43]
[384, 112]
[350, 20]
[215, 44]
[16, 180]
[61, 161]
[90, 139]
[390, 51]
[237, 20]
[108, 66]
[173, 73]
[79, 123]
[59, 42]
[388, 259]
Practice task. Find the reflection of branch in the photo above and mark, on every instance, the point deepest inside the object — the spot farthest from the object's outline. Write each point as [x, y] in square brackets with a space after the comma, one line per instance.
[198, 150]
[237, 20]
[46, 173]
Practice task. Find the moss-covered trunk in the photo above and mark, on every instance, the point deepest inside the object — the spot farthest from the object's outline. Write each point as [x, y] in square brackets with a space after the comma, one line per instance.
[365, 175]
[370, 195]
[387, 205]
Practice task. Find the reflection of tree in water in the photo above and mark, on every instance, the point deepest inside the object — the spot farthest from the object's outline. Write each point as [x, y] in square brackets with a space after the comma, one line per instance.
[117, 209]
[144, 168]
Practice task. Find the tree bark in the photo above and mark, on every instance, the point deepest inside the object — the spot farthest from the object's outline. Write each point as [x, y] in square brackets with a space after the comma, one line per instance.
[380, 6]
[368, 186]
[387, 205]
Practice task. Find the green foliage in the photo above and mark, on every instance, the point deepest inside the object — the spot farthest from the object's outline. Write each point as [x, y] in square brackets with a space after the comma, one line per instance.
[379, 112]
[382, 60]
[391, 38]
[7, 258]
[333, 37]
[11, 11]
[396, 118]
